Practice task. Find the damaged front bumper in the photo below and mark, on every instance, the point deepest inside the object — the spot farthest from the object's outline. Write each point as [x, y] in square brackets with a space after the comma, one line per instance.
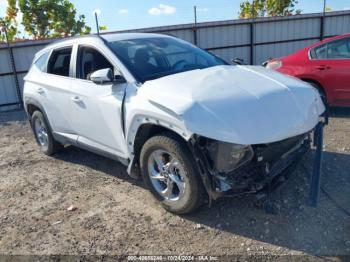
[268, 167]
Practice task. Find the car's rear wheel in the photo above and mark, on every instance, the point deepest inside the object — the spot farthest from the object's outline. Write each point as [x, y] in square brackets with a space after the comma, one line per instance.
[43, 134]
[168, 171]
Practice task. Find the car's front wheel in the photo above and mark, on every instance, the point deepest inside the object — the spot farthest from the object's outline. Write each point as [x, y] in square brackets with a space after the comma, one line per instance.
[169, 172]
[43, 134]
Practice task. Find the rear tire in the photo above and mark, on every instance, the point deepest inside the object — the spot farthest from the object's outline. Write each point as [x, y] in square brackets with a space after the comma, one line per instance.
[43, 135]
[168, 170]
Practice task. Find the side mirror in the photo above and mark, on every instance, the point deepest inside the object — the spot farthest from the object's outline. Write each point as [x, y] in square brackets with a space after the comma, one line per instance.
[104, 76]
[264, 64]
[119, 78]
[238, 61]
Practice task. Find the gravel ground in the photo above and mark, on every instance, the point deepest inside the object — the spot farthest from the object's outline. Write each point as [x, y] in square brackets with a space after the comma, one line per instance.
[114, 214]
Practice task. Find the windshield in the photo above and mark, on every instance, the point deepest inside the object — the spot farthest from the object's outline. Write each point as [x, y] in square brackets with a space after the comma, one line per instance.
[154, 57]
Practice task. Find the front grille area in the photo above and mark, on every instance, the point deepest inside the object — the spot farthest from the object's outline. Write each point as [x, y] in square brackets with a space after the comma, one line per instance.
[272, 152]
[270, 160]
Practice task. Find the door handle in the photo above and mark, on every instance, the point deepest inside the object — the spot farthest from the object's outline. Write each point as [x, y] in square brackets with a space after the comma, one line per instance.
[323, 67]
[41, 90]
[76, 99]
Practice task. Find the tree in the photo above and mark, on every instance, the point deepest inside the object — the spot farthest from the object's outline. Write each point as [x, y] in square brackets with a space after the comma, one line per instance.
[261, 8]
[51, 18]
[103, 27]
[10, 21]
[36, 17]
[328, 9]
[69, 25]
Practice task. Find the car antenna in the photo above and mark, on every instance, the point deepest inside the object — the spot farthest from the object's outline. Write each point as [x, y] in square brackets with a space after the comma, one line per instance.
[96, 20]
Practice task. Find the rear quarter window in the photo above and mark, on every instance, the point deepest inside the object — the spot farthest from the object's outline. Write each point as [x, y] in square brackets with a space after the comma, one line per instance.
[41, 62]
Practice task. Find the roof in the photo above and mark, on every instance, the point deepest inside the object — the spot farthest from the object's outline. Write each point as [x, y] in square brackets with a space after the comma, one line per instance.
[96, 39]
[128, 36]
[108, 37]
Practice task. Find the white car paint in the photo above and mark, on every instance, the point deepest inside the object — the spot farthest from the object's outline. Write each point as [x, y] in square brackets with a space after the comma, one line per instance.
[237, 104]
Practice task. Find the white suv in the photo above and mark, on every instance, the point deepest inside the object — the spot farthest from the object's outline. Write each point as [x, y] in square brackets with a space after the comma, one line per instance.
[195, 126]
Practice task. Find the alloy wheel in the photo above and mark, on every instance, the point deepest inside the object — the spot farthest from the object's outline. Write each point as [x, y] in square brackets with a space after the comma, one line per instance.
[166, 175]
[41, 132]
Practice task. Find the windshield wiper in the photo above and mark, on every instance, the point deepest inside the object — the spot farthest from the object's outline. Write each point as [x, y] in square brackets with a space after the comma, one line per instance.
[159, 76]
[169, 73]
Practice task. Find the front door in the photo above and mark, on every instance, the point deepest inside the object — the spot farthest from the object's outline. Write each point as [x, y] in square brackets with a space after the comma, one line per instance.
[332, 67]
[338, 70]
[96, 109]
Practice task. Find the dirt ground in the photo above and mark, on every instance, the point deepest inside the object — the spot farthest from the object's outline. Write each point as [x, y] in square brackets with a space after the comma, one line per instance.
[116, 215]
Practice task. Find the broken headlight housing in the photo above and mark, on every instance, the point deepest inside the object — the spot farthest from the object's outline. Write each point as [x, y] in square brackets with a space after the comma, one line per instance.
[227, 157]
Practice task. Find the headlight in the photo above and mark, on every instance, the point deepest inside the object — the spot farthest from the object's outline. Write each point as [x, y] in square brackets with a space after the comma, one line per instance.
[228, 157]
[274, 65]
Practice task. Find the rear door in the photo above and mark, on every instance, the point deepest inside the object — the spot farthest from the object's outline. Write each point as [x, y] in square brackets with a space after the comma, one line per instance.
[55, 89]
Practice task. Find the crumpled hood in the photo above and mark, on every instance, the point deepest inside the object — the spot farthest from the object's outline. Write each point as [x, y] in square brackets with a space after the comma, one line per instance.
[238, 104]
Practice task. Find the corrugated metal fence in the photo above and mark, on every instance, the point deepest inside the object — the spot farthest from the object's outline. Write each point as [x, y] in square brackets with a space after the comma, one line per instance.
[254, 40]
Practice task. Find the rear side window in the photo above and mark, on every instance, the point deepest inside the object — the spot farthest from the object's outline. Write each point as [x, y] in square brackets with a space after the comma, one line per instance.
[41, 62]
[59, 62]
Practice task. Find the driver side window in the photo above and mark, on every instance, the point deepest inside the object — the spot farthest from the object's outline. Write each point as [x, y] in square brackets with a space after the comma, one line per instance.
[89, 61]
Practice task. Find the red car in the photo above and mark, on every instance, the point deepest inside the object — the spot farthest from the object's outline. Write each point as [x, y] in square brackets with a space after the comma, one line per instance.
[325, 65]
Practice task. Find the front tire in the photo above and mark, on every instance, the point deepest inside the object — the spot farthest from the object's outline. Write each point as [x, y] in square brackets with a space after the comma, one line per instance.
[168, 170]
[43, 134]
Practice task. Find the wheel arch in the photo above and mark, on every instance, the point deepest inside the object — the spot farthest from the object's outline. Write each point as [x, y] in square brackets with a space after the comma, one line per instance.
[143, 128]
[148, 130]
[31, 108]
[317, 83]
[32, 105]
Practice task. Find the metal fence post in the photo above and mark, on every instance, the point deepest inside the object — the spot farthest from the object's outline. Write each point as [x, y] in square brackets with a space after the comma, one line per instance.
[252, 43]
[322, 19]
[321, 27]
[13, 65]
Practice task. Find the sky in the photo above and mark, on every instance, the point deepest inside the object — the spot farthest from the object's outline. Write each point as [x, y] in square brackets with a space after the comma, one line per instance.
[131, 14]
